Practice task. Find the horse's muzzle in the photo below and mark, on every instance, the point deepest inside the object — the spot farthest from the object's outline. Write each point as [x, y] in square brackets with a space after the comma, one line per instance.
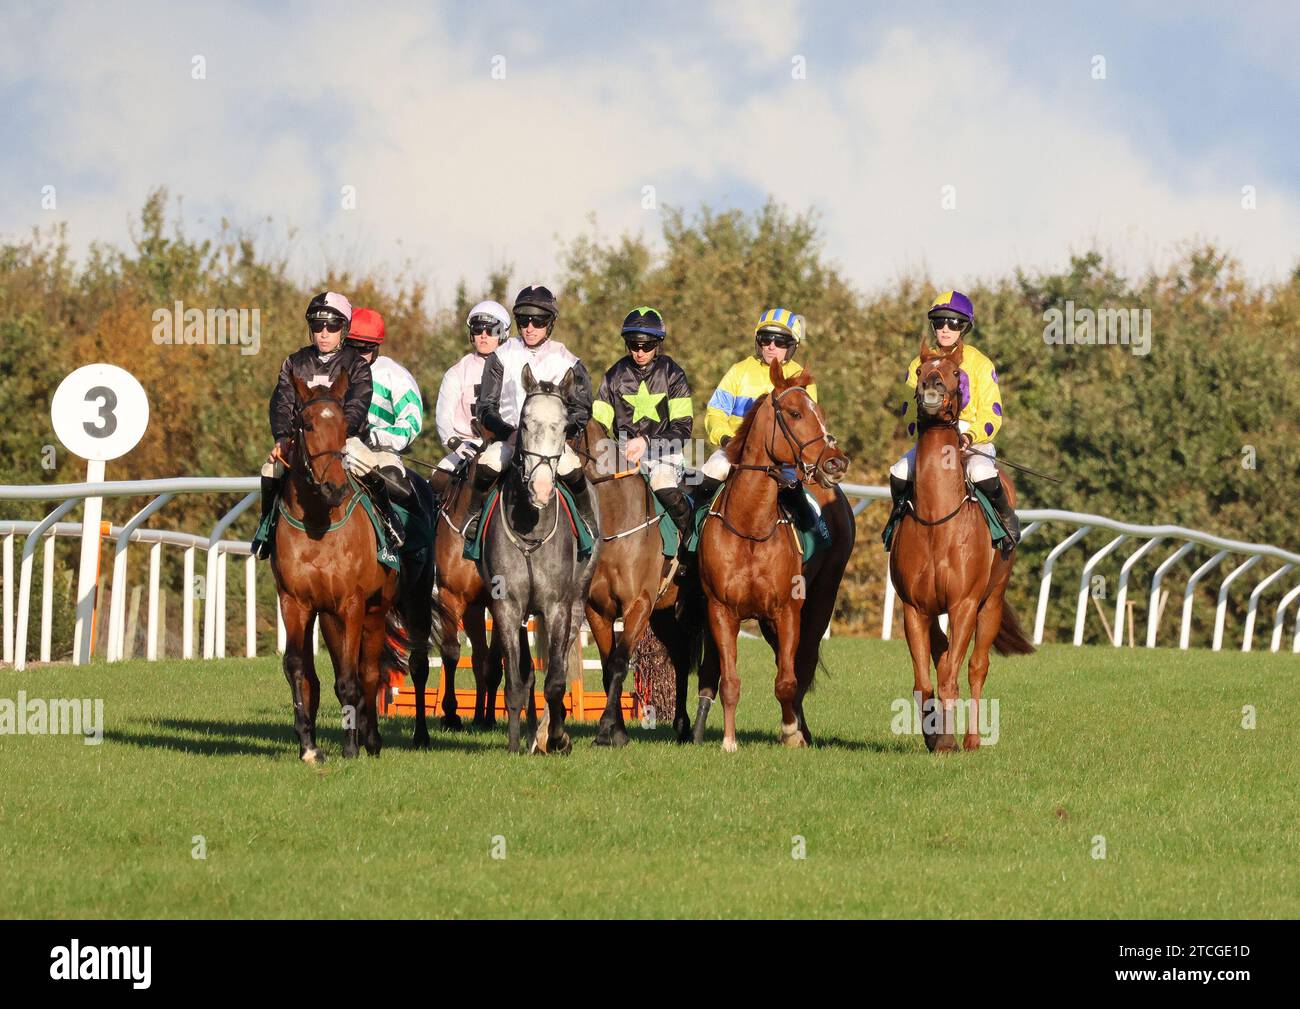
[834, 469]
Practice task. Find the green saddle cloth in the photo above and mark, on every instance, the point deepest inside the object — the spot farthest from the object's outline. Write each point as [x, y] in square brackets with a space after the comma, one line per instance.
[668, 531]
[385, 555]
[797, 504]
[996, 530]
[474, 548]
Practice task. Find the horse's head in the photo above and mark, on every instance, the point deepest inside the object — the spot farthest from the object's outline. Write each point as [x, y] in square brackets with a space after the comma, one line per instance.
[543, 420]
[811, 447]
[938, 385]
[320, 430]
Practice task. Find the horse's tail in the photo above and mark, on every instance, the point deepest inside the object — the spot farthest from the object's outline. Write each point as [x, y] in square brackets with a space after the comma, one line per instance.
[396, 656]
[1011, 639]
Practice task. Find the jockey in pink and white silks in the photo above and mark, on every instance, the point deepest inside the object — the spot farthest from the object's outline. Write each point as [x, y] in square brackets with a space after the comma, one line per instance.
[488, 323]
[951, 318]
[501, 398]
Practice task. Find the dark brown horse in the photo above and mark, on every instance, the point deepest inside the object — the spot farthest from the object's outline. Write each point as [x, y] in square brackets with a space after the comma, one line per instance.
[943, 560]
[631, 582]
[325, 566]
[750, 564]
[462, 599]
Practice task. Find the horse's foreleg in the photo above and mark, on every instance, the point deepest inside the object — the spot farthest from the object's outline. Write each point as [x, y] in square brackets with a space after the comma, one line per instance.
[724, 626]
[301, 674]
[343, 636]
[559, 619]
[373, 632]
[710, 676]
[786, 626]
[450, 611]
[986, 629]
[961, 628]
[503, 636]
[917, 626]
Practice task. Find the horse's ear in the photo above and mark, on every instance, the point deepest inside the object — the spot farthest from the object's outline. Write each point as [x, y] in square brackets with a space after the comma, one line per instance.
[777, 376]
[340, 386]
[926, 353]
[955, 355]
[530, 383]
[300, 388]
[566, 383]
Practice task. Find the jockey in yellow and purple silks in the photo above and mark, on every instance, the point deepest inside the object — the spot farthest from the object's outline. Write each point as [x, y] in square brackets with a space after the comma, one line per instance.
[777, 337]
[951, 318]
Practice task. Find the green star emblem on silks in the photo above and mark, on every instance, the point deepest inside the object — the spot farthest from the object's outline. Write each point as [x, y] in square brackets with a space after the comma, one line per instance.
[645, 403]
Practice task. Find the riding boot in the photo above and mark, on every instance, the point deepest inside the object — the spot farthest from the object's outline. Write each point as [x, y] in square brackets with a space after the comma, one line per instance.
[992, 488]
[678, 508]
[484, 478]
[577, 484]
[900, 490]
[270, 491]
[705, 490]
[439, 482]
[379, 495]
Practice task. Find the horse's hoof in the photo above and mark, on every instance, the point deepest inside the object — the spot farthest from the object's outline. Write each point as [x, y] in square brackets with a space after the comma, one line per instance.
[313, 757]
[420, 741]
[948, 745]
[971, 742]
[729, 746]
[792, 737]
[485, 723]
[616, 737]
[563, 747]
[682, 726]
[931, 741]
[452, 722]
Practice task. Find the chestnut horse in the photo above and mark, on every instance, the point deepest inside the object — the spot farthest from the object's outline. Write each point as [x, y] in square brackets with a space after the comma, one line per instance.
[943, 560]
[462, 599]
[325, 565]
[749, 562]
[630, 583]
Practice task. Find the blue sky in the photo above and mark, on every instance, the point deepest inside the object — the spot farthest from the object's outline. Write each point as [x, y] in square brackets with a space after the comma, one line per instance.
[695, 99]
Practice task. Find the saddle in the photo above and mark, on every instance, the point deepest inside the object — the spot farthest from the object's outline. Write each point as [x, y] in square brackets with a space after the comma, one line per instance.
[996, 530]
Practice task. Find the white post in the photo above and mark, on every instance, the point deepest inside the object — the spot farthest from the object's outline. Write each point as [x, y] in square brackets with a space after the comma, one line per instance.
[281, 638]
[1185, 634]
[89, 567]
[151, 630]
[1045, 587]
[222, 558]
[9, 598]
[1221, 610]
[211, 572]
[47, 597]
[1121, 596]
[1153, 611]
[1081, 610]
[187, 606]
[1281, 618]
[250, 606]
[887, 622]
[1249, 633]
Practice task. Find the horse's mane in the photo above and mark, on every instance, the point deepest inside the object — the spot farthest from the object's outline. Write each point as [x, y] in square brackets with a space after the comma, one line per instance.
[737, 444]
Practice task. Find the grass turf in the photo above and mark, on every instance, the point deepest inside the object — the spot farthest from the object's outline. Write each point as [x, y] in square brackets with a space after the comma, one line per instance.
[1143, 748]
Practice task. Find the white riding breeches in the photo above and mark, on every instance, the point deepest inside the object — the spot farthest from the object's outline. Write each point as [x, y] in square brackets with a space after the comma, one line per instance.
[665, 471]
[979, 464]
[717, 466]
[497, 456]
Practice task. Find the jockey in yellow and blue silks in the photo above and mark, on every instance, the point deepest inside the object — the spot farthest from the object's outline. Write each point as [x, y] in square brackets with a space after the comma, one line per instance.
[951, 318]
[777, 336]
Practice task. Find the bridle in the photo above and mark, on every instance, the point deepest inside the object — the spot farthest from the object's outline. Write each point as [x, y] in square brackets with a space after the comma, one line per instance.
[805, 471]
[303, 425]
[940, 421]
[551, 462]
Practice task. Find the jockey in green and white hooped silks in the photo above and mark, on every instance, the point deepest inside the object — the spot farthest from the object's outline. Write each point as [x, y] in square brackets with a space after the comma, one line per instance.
[951, 319]
[396, 418]
[489, 324]
[777, 337]
[501, 400]
[644, 401]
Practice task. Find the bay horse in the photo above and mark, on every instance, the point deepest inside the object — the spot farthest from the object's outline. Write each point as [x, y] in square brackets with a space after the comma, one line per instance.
[749, 562]
[463, 599]
[629, 582]
[325, 566]
[530, 559]
[943, 560]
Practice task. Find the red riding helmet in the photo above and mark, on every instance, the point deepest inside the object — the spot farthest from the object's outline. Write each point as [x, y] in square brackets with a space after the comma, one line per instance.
[367, 325]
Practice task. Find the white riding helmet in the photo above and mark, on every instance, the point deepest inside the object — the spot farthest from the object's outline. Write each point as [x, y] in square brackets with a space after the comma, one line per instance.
[496, 312]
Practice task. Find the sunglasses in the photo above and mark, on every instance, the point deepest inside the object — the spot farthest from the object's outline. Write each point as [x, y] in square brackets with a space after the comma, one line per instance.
[774, 339]
[640, 346]
[333, 325]
[956, 324]
[479, 328]
[536, 321]
[361, 346]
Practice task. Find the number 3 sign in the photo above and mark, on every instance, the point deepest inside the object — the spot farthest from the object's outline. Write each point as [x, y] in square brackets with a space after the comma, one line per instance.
[100, 412]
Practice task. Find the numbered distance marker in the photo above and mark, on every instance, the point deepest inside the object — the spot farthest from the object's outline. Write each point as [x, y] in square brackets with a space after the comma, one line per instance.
[100, 412]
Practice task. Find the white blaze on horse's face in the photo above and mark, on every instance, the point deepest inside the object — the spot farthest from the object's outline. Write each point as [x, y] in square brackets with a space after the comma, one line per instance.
[541, 443]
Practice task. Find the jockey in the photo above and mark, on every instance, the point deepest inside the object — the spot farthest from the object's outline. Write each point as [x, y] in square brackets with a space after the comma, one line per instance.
[645, 399]
[318, 364]
[777, 336]
[952, 317]
[489, 324]
[501, 398]
[396, 417]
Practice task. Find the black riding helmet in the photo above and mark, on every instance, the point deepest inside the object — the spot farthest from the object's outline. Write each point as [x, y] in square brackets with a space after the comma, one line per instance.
[534, 302]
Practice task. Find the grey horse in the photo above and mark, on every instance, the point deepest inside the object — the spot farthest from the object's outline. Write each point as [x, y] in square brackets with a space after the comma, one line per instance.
[530, 561]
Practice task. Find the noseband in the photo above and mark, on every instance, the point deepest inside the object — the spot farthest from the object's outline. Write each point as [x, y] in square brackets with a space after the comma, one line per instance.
[302, 425]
